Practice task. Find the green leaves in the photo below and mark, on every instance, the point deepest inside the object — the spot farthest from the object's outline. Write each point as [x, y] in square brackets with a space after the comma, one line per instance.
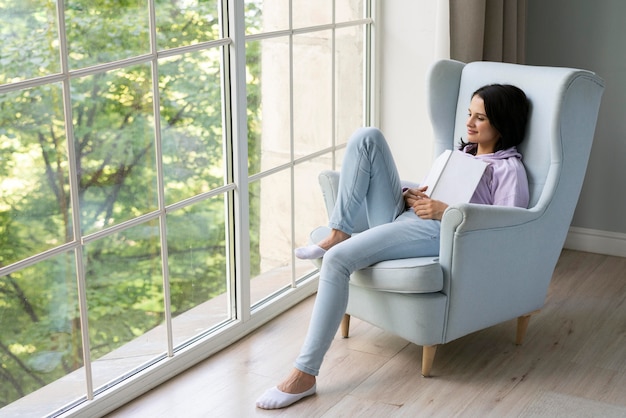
[114, 138]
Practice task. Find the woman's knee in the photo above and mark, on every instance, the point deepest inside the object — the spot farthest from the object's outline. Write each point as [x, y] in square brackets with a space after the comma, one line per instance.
[336, 263]
[367, 134]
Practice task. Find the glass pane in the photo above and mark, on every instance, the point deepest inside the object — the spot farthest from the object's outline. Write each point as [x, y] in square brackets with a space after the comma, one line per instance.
[125, 301]
[199, 277]
[269, 122]
[40, 340]
[312, 13]
[191, 124]
[347, 10]
[312, 96]
[106, 30]
[34, 173]
[310, 211]
[186, 22]
[114, 137]
[349, 82]
[270, 235]
[29, 46]
[266, 15]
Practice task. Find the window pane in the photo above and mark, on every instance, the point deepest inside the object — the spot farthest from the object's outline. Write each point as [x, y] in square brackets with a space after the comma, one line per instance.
[269, 121]
[105, 31]
[114, 136]
[349, 82]
[347, 10]
[266, 15]
[34, 174]
[312, 74]
[270, 235]
[125, 300]
[40, 340]
[22, 26]
[312, 13]
[310, 211]
[197, 260]
[186, 22]
[191, 124]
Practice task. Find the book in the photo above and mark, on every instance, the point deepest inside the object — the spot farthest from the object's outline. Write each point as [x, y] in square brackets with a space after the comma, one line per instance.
[453, 177]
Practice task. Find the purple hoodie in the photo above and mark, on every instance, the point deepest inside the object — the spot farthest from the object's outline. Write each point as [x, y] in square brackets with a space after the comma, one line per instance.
[504, 182]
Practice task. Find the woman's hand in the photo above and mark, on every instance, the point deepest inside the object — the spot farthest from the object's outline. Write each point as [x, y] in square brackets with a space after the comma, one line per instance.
[422, 205]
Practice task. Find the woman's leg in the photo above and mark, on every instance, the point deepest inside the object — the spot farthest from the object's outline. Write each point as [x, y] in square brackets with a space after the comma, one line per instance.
[407, 236]
[368, 177]
[400, 239]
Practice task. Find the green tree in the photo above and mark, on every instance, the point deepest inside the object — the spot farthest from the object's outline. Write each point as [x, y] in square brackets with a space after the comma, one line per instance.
[114, 143]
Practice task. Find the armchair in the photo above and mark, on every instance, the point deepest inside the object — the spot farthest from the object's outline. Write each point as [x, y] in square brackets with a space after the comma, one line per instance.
[434, 300]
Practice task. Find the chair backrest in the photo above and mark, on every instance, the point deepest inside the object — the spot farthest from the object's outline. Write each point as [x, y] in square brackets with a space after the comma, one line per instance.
[564, 108]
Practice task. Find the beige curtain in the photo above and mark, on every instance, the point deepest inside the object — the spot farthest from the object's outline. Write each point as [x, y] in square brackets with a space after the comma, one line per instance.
[488, 30]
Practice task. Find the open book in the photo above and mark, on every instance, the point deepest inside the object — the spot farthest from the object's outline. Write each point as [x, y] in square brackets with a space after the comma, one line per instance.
[454, 176]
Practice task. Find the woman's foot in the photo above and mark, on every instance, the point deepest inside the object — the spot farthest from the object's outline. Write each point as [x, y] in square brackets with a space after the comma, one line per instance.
[298, 385]
[314, 251]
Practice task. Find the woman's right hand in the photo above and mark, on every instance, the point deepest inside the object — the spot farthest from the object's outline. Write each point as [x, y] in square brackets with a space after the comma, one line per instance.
[422, 205]
[412, 195]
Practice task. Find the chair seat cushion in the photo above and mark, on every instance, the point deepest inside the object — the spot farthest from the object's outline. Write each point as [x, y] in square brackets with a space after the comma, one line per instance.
[407, 275]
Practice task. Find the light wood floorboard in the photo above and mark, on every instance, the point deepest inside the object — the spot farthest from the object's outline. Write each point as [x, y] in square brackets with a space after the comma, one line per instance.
[572, 364]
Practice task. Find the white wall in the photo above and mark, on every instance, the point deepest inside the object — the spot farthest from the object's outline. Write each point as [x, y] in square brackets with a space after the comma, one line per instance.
[407, 46]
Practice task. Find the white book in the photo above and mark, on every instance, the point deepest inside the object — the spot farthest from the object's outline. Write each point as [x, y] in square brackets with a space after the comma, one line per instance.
[453, 177]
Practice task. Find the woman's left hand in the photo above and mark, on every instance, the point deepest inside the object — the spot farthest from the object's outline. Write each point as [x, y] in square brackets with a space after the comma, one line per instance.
[424, 206]
[427, 208]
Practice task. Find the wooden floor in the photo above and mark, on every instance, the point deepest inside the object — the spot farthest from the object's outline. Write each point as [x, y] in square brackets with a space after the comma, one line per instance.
[572, 364]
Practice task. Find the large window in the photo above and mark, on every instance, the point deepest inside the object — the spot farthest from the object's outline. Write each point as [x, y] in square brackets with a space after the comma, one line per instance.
[158, 164]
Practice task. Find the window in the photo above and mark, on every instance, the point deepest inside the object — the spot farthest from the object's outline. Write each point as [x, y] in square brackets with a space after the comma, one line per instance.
[158, 163]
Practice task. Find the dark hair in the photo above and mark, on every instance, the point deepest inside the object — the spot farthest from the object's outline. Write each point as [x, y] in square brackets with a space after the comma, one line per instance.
[507, 109]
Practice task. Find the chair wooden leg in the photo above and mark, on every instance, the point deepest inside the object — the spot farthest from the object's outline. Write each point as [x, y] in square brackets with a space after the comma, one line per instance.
[345, 326]
[428, 356]
[522, 326]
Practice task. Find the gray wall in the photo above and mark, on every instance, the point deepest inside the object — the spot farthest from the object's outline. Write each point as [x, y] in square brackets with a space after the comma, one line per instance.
[590, 34]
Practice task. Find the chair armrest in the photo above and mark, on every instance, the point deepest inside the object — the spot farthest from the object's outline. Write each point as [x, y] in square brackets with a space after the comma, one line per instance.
[497, 263]
[329, 183]
[470, 217]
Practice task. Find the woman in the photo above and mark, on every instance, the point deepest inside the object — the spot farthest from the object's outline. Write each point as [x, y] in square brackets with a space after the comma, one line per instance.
[402, 224]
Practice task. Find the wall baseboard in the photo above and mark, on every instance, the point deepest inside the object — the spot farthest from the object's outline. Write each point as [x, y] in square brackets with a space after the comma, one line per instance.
[596, 241]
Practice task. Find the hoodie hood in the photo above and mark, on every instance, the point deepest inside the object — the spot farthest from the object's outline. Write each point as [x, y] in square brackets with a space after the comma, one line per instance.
[495, 156]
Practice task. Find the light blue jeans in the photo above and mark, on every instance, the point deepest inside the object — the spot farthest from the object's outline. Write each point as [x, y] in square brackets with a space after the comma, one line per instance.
[368, 177]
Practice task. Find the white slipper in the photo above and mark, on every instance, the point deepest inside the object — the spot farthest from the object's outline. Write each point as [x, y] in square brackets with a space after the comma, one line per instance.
[274, 398]
[310, 252]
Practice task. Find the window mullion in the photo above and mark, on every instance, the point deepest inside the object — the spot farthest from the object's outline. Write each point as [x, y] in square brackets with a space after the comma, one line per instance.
[158, 148]
[238, 138]
[74, 193]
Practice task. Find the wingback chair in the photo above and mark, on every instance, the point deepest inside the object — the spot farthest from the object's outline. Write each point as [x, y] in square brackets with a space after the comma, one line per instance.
[495, 263]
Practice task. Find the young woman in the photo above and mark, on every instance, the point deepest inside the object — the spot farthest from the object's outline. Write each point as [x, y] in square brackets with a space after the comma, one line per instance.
[402, 224]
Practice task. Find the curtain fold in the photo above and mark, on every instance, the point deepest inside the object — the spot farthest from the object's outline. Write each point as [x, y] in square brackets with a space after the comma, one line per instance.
[488, 30]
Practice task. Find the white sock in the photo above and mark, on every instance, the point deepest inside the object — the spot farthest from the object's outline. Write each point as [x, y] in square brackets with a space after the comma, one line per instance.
[274, 398]
[310, 252]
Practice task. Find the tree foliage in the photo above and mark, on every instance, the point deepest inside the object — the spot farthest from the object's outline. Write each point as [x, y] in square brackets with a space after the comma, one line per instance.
[116, 164]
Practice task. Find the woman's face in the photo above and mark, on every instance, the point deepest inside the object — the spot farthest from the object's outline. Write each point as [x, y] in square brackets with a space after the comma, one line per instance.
[479, 129]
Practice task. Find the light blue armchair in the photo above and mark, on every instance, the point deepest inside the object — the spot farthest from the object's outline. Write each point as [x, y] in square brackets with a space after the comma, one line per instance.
[495, 263]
